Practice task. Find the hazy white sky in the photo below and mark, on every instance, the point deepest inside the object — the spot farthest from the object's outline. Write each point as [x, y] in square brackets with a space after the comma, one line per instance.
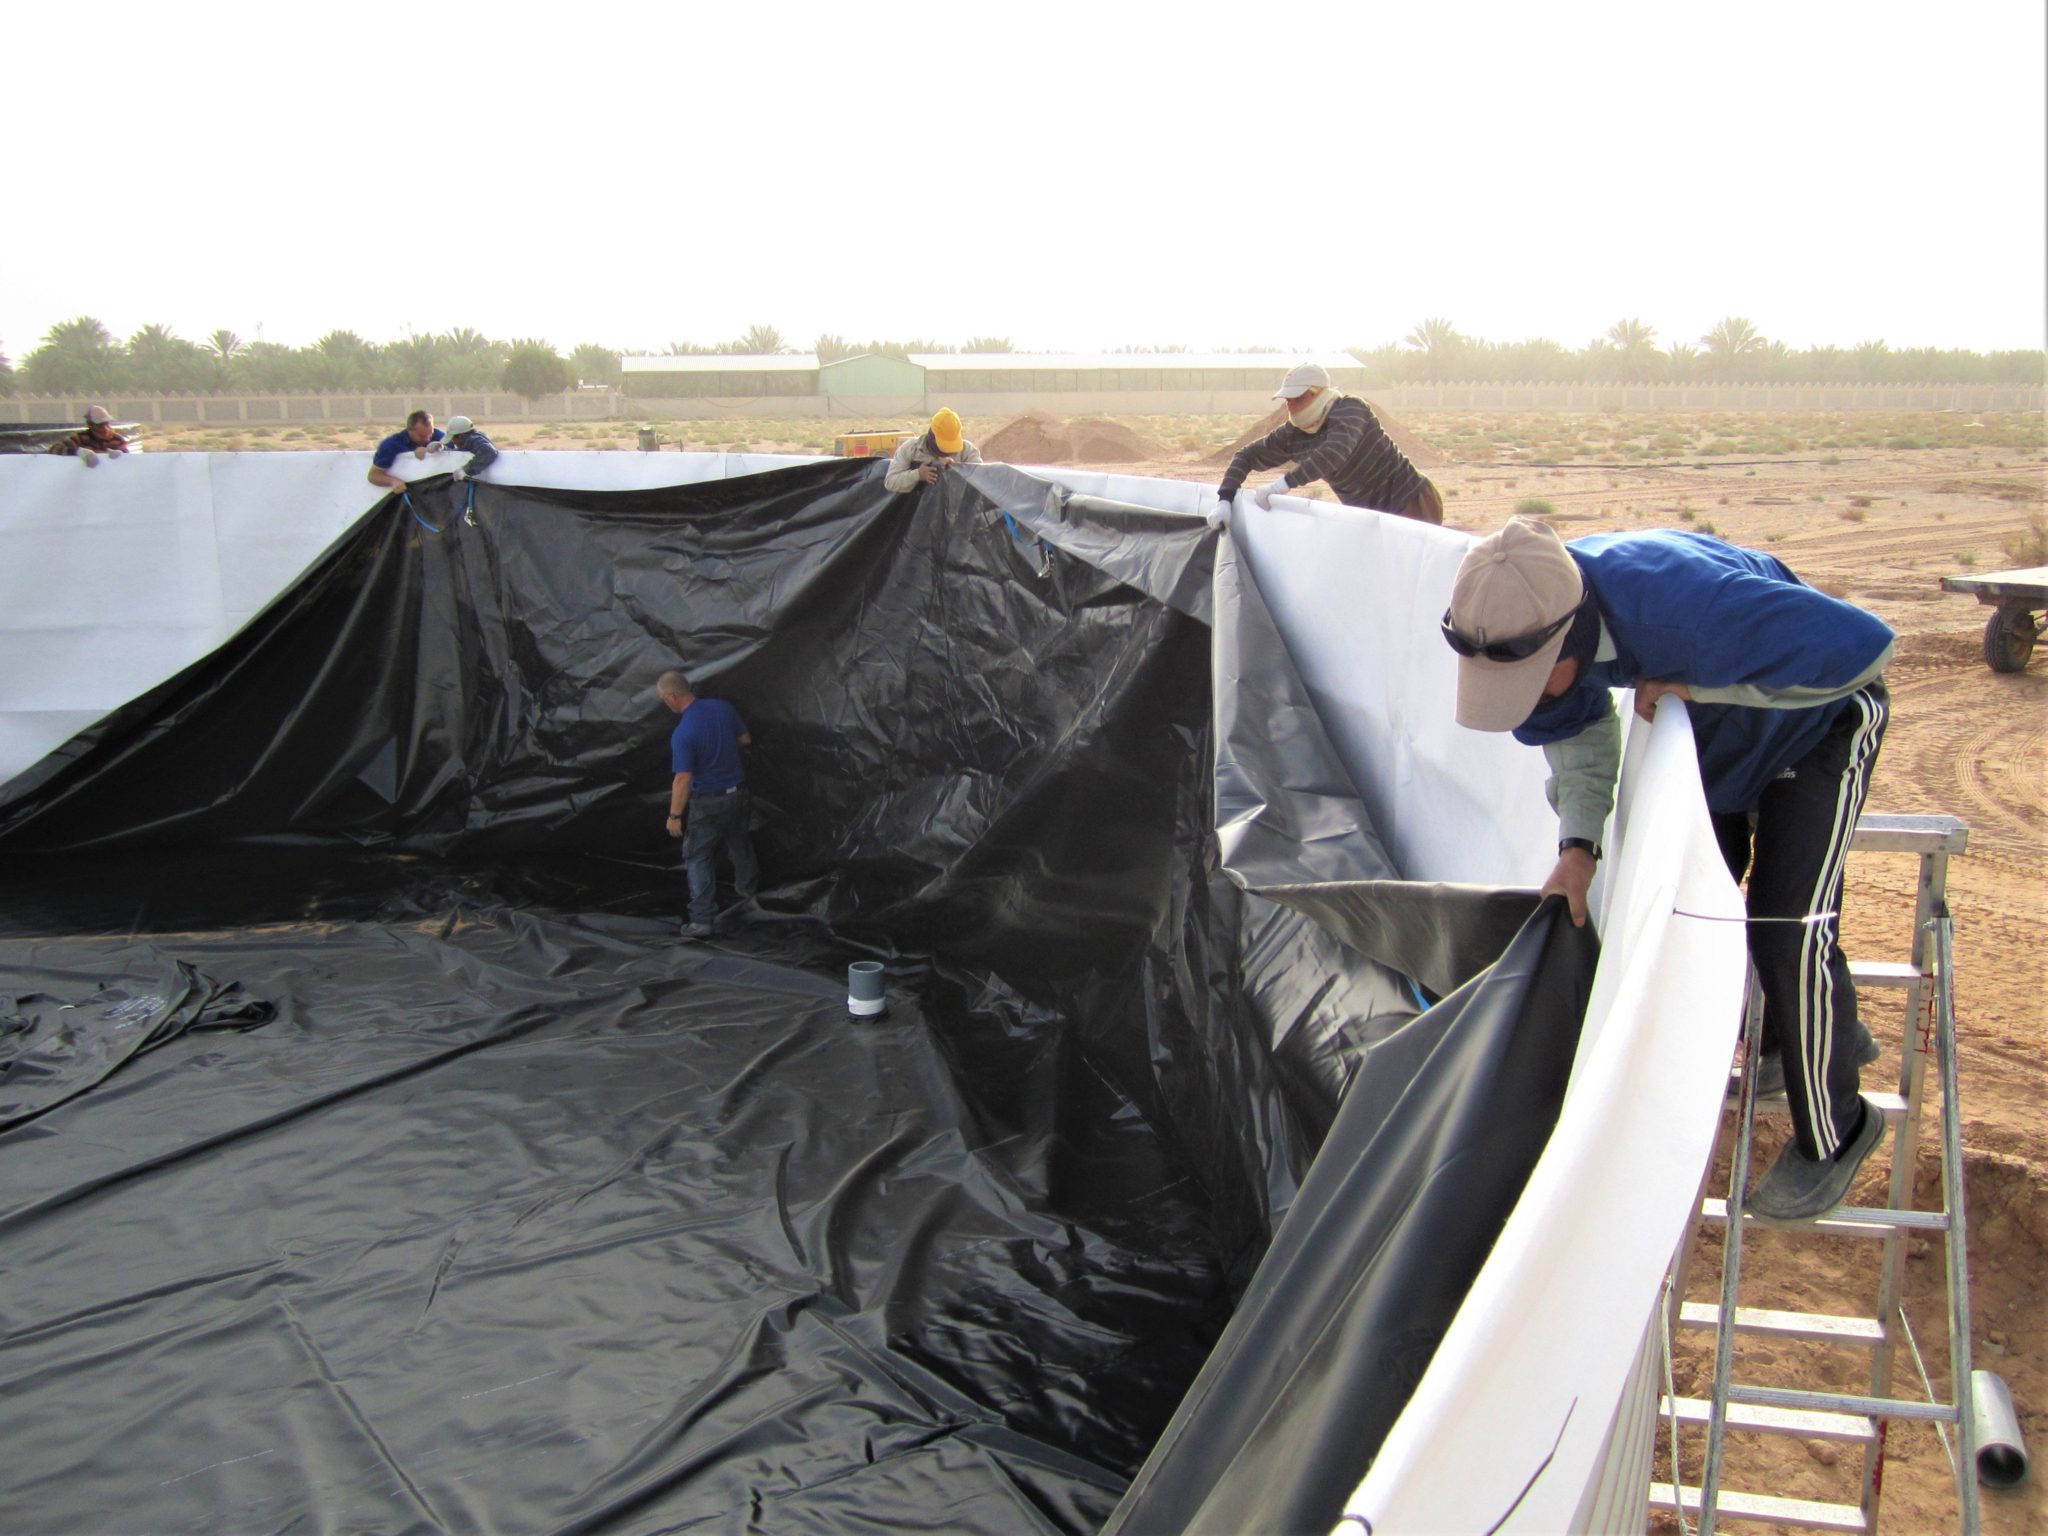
[1072, 176]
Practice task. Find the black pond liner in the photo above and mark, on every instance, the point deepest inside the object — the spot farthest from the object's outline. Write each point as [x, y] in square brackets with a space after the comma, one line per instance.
[374, 1155]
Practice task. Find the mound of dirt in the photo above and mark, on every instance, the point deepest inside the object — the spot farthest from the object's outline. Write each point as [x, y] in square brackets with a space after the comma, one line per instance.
[1033, 438]
[1419, 453]
[1039, 438]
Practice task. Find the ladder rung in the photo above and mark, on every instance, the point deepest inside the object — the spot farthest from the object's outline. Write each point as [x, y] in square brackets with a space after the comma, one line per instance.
[1808, 1514]
[1843, 1403]
[1823, 1327]
[1882, 833]
[1843, 1221]
[1806, 1423]
[1883, 973]
[1889, 1104]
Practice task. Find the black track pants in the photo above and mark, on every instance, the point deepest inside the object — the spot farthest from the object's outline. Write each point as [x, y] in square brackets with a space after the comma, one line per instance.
[1802, 826]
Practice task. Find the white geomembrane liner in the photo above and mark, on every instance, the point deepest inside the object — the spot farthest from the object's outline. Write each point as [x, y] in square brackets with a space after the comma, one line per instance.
[113, 578]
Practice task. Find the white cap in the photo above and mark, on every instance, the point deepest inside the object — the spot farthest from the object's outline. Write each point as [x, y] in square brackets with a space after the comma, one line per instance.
[96, 416]
[1302, 378]
[457, 425]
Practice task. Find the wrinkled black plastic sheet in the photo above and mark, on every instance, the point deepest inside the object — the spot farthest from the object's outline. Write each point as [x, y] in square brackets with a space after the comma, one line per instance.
[520, 1215]
[1415, 1180]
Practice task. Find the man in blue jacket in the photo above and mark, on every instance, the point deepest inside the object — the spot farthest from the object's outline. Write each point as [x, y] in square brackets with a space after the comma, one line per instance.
[708, 782]
[1785, 688]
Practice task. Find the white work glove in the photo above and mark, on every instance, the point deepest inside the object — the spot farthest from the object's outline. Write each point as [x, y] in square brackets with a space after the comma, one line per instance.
[460, 472]
[89, 456]
[1262, 498]
[437, 446]
[1219, 514]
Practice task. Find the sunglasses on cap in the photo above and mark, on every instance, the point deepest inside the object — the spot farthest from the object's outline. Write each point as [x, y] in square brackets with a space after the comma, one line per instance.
[1515, 647]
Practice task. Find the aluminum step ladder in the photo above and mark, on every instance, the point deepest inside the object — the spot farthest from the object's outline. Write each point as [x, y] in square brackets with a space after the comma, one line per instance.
[1852, 1419]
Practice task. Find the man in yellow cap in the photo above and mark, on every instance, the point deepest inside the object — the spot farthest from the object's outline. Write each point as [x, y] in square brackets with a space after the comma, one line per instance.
[918, 460]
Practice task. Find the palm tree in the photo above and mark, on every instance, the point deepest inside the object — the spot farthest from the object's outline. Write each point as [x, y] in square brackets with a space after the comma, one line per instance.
[342, 361]
[1634, 350]
[988, 344]
[77, 356]
[1632, 336]
[830, 347]
[465, 358]
[761, 341]
[408, 363]
[1873, 361]
[1682, 358]
[221, 351]
[1733, 346]
[161, 360]
[1733, 337]
[1440, 345]
[593, 364]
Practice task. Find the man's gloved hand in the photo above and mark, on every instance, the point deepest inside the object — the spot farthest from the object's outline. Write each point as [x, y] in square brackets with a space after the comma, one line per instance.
[1262, 498]
[438, 445]
[461, 472]
[1219, 514]
[89, 456]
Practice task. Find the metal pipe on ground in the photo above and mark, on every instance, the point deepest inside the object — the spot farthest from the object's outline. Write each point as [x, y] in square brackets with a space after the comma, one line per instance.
[2001, 1453]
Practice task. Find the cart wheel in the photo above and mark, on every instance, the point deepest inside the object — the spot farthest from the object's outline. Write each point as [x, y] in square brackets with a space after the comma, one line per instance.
[2009, 638]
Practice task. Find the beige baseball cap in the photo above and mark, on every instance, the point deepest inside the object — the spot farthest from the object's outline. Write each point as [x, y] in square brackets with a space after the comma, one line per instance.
[1302, 378]
[1515, 589]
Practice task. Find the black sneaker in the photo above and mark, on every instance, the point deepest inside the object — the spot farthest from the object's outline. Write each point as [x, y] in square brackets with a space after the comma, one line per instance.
[1796, 1189]
[1770, 1071]
[697, 930]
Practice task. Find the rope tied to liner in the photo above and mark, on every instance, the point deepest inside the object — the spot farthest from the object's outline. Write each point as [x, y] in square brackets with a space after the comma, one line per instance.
[406, 497]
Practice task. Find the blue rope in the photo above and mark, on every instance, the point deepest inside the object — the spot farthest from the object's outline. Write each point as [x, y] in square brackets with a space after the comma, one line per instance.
[406, 497]
[1018, 534]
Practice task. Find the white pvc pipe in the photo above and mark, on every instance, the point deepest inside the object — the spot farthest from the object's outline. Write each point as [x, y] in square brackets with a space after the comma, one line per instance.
[2001, 1453]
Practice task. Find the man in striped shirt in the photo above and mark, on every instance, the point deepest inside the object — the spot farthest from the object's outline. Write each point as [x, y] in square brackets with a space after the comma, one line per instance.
[1334, 437]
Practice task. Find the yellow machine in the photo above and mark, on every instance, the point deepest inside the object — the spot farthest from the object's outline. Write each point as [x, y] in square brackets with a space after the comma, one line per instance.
[865, 445]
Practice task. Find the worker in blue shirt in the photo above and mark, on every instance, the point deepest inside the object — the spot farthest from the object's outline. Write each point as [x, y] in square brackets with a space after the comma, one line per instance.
[419, 437]
[465, 436]
[708, 781]
[1785, 690]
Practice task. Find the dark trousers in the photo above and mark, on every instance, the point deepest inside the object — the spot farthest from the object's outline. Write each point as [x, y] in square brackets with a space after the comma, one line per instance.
[718, 821]
[1794, 849]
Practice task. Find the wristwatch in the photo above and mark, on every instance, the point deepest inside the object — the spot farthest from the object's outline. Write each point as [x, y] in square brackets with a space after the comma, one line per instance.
[1580, 842]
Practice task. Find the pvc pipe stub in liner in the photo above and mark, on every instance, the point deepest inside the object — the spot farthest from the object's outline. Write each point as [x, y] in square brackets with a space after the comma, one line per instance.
[2001, 1453]
[864, 989]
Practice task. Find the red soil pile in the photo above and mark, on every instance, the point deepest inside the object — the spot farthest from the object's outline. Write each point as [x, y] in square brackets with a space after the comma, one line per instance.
[1039, 438]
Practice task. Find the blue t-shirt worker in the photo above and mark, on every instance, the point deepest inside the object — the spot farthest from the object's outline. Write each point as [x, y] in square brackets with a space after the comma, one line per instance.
[419, 437]
[1785, 689]
[708, 782]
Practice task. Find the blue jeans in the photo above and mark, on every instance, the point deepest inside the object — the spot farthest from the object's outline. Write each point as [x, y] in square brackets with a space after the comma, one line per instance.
[718, 821]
